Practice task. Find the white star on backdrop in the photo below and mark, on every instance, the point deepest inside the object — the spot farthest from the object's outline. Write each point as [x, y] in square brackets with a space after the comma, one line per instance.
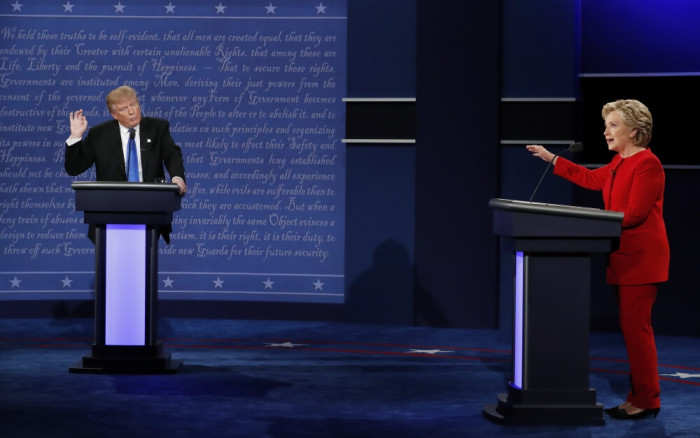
[119, 8]
[17, 6]
[169, 8]
[168, 282]
[321, 9]
[220, 9]
[66, 282]
[270, 9]
[284, 344]
[218, 283]
[68, 7]
[268, 283]
[412, 350]
[15, 282]
[318, 285]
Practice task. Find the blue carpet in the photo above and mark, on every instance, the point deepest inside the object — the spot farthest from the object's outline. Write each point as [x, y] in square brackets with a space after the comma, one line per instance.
[304, 379]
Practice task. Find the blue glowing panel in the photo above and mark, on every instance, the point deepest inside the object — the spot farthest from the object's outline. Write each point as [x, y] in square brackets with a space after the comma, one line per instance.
[518, 323]
[125, 289]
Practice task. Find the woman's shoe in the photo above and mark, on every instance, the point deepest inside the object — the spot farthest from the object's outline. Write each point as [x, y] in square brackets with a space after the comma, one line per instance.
[615, 409]
[622, 414]
[612, 411]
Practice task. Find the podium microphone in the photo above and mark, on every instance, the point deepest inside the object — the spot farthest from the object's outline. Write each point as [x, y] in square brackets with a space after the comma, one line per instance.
[573, 147]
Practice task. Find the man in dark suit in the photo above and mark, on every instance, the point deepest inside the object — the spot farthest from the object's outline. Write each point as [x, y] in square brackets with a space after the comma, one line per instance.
[106, 145]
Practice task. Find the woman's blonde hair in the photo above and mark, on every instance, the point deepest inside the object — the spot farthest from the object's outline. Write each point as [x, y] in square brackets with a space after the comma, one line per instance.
[635, 115]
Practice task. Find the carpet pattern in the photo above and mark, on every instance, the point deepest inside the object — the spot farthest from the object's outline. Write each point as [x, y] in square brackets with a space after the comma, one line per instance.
[305, 379]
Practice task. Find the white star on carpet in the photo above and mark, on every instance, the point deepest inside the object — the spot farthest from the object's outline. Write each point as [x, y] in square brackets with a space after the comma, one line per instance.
[220, 9]
[66, 282]
[17, 6]
[270, 9]
[284, 344]
[218, 283]
[268, 283]
[68, 7]
[321, 9]
[169, 8]
[118, 8]
[412, 350]
[15, 282]
[168, 282]
[318, 285]
[682, 375]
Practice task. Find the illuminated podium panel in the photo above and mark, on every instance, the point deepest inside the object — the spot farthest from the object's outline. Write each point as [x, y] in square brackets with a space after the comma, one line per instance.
[126, 219]
[553, 245]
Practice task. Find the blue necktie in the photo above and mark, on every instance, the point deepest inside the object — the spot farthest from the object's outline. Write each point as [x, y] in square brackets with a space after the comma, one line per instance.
[132, 169]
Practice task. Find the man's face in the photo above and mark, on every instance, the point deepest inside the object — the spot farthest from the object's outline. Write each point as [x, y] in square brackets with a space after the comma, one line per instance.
[127, 112]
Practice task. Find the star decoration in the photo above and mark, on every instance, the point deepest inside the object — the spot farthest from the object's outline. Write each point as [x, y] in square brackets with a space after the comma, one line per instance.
[412, 350]
[118, 8]
[68, 7]
[66, 282]
[682, 375]
[15, 282]
[268, 283]
[218, 283]
[318, 285]
[320, 9]
[168, 282]
[220, 9]
[17, 6]
[284, 344]
[270, 9]
[169, 8]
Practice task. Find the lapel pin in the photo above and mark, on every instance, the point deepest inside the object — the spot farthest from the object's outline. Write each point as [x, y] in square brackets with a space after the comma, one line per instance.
[148, 140]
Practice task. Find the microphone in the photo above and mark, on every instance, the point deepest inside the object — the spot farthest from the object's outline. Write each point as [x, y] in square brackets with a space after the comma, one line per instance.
[132, 135]
[573, 147]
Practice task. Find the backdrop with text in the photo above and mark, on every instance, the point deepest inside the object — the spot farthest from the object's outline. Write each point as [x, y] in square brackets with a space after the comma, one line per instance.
[253, 92]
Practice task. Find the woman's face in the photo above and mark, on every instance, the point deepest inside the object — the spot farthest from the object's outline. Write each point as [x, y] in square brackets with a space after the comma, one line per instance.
[618, 135]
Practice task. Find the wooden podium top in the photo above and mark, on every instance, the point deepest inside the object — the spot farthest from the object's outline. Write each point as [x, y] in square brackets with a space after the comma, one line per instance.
[111, 202]
[117, 185]
[555, 228]
[556, 209]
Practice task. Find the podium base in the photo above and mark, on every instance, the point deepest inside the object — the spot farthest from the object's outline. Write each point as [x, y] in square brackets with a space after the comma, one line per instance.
[508, 413]
[127, 359]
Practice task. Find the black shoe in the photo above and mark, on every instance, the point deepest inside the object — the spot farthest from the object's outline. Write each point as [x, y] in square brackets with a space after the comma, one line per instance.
[621, 414]
[612, 411]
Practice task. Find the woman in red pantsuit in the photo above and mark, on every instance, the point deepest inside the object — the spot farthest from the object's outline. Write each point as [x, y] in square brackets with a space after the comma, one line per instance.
[633, 183]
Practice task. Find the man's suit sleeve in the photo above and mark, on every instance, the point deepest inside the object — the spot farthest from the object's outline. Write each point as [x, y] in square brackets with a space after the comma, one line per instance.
[172, 155]
[79, 158]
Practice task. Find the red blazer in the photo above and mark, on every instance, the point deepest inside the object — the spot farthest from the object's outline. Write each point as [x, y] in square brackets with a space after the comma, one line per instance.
[634, 186]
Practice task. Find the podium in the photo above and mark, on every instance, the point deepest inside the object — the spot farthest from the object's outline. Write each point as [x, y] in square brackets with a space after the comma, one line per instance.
[126, 218]
[553, 245]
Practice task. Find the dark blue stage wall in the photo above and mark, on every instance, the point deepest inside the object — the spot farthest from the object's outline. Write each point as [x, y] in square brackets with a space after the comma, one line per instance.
[647, 37]
[657, 63]
[253, 91]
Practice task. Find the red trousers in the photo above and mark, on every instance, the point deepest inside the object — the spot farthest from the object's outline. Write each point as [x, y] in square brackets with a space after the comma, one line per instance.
[635, 303]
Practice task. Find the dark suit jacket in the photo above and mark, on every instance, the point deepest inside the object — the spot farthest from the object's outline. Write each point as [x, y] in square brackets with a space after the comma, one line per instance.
[102, 146]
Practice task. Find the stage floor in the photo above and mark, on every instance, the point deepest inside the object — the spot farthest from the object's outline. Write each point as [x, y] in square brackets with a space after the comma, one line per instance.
[306, 379]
